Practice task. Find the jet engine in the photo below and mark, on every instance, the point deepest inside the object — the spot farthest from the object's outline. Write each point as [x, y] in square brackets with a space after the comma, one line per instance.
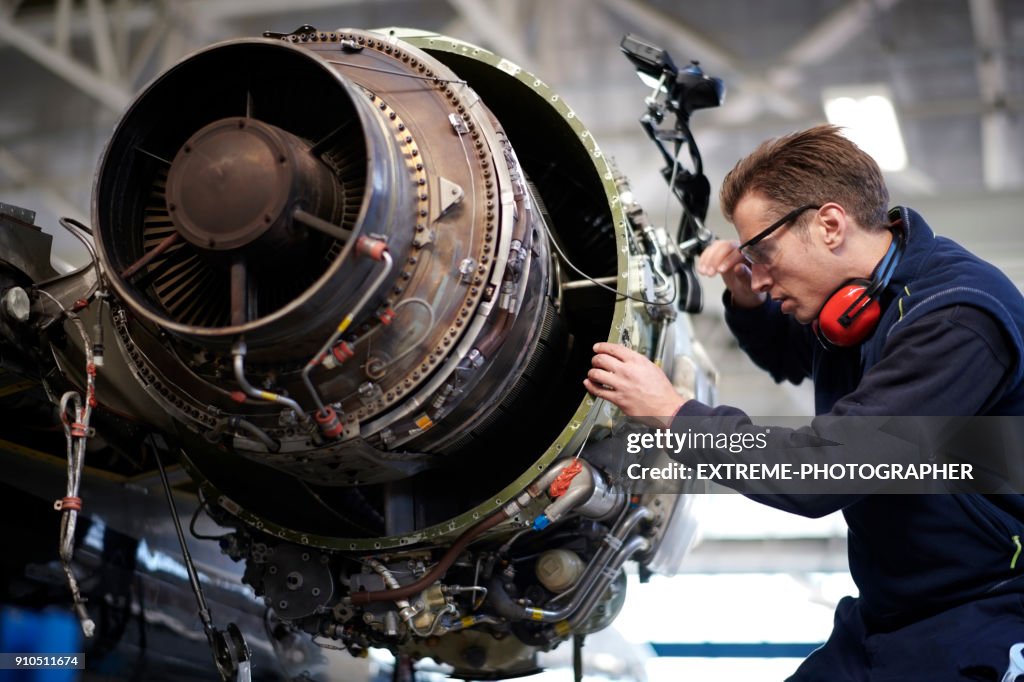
[351, 281]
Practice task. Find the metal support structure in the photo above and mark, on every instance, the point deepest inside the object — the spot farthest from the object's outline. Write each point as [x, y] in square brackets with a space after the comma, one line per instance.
[102, 45]
[62, 26]
[222, 10]
[1002, 167]
[147, 47]
[746, 101]
[827, 38]
[114, 96]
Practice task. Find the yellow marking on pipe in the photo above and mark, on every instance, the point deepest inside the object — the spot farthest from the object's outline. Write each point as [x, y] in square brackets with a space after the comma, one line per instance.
[345, 323]
[268, 396]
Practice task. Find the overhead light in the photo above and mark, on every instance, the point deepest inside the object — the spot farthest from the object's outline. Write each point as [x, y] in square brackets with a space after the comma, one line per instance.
[866, 114]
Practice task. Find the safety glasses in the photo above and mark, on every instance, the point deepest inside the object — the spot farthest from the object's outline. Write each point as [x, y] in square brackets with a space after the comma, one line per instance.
[750, 249]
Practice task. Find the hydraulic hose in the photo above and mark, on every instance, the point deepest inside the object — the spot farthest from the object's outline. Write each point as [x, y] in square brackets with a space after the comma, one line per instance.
[406, 591]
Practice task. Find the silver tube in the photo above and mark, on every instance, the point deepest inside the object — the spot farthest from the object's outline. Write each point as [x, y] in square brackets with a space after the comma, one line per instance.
[238, 353]
[404, 609]
[342, 326]
[611, 549]
[256, 432]
[635, 544]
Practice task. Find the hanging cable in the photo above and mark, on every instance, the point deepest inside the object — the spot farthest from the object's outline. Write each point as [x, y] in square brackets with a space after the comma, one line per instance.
[594, 281]
[76, 432]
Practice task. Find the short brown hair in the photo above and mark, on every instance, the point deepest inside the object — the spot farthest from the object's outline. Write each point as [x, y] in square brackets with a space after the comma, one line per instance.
[813, 166]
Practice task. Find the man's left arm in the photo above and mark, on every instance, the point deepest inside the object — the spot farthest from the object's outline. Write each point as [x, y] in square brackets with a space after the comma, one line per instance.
[953, 361]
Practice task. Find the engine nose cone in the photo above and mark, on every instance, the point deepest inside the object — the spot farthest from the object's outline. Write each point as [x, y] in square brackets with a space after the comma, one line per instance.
[229, 183]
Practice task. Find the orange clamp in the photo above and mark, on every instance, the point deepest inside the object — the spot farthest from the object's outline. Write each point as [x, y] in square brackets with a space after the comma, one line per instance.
[374, 248]
[68, 504]
[328, 421]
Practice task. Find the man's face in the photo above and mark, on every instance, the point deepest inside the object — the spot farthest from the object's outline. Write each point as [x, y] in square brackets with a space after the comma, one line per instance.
[793, 265]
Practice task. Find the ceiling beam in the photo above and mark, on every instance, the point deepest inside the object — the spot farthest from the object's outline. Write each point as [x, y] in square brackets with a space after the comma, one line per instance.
[684, 41]
[147, 47]
[102, 44]
[823, 42]
[62, 26]
[73, 22]
[771, 94]
[112, 95]
[1001, 164]
[753, 93]
[827, 38]
[223, 10]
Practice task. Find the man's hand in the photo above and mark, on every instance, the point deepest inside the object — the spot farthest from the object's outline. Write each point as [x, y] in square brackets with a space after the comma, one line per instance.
[721, 257]
[632, 383]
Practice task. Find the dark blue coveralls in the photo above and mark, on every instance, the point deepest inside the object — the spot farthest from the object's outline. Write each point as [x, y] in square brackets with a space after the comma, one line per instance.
[941, 577]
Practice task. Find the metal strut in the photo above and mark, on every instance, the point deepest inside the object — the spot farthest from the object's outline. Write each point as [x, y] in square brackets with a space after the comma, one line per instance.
[230, 652]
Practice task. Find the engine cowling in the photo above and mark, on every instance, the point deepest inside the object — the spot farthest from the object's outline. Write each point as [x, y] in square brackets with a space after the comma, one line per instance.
[346, 276]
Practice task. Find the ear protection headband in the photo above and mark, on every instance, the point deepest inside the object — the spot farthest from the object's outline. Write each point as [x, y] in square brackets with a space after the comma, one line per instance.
[851, 313]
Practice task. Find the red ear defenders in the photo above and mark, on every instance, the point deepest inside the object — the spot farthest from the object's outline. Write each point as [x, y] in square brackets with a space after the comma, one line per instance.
[851, 313]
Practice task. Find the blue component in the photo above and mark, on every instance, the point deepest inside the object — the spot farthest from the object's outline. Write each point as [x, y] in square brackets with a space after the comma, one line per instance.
[541, 522]
[52, 632]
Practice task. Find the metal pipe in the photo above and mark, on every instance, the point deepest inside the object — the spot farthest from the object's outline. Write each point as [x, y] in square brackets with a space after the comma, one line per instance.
[584, 283]
[443, 565]
[321, 225]
[611, 547]
[342, 326]
[404, 609]
[238, 352]
[612, 544]
[635, 544]
[273, 445]
[150, 255]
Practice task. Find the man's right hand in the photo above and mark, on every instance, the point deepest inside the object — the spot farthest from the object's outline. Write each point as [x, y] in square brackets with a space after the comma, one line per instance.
[723, 258]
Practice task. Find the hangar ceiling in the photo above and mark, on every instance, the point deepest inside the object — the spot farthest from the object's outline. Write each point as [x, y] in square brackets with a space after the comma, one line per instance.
[68, 68]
